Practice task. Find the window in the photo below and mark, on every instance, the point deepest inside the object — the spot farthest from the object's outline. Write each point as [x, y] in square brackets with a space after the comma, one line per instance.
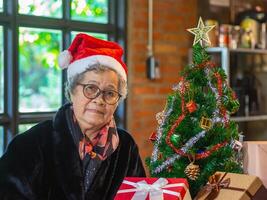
[1, 140]
[97, 35]
[51, 8]
[1, 72]
[92, 11]
[1, 5]
[25, 127]
[32, 34]
[39, 74]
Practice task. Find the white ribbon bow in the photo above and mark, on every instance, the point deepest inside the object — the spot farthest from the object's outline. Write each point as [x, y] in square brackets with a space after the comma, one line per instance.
[155, 191]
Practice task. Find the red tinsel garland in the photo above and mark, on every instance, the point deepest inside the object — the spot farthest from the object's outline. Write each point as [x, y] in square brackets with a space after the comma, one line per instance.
[183, 114]
[206, 64]
[219, 86]
[219, 83]
[208, 152]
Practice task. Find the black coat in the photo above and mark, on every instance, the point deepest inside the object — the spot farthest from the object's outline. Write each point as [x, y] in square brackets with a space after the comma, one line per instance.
[44, 163]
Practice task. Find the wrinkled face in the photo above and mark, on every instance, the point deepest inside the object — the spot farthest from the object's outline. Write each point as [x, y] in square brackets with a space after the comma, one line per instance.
[92, 114]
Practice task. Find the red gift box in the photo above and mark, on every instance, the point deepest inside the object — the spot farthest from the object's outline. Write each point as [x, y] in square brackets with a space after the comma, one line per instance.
[136, 188]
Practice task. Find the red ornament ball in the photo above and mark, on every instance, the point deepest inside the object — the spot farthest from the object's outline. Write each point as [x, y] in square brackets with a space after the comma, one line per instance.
[191, 106]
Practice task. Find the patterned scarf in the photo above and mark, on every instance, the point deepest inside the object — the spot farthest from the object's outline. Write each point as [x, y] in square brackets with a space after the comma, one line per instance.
[107, 139]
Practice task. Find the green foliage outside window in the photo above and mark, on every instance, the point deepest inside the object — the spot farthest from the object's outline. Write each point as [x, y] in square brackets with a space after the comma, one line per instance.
[84, 10]
[51, 8]
[39, 74]
[97, 35]
[25, 127]
[90, 10]
[1, 5]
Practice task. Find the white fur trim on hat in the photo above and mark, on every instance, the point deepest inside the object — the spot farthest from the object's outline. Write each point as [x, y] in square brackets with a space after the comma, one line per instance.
[64, 59]
[81, 65]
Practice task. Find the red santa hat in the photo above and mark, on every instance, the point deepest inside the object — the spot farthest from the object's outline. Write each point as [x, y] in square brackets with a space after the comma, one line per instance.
[86, 51]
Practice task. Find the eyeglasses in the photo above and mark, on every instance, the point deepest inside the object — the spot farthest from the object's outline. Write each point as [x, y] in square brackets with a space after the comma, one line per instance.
[92, 91]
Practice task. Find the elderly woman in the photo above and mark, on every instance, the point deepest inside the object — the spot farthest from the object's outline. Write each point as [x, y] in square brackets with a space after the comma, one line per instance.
[80, 154]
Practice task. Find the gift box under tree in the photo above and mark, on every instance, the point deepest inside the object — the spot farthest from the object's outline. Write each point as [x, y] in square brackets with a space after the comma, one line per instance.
[232, 186]
[136, 188]
[255, 162]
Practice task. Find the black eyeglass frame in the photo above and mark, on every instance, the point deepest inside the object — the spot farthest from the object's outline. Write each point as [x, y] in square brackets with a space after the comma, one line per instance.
[99, 92]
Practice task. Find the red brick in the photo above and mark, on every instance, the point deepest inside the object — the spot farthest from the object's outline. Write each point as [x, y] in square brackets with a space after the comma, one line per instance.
[165, 48]
[171, 45]
[139, 56]
[141, 24]
[139, 35]
[144, 90]
[153, 101]
[138, 78]
[165, 90]
[143, 113]
[172, 79]
[140, 47]
[139, 68]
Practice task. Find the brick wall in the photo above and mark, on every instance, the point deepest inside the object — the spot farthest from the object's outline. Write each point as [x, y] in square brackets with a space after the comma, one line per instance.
[171, 44]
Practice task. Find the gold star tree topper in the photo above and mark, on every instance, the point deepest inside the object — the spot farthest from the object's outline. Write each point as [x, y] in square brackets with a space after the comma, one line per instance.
[201, 32]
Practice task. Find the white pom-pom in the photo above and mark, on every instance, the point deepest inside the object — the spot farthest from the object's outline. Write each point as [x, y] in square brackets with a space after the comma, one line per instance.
[64, 59]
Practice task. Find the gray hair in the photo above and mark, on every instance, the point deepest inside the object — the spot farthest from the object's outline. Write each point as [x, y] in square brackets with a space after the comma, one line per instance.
[71, 84]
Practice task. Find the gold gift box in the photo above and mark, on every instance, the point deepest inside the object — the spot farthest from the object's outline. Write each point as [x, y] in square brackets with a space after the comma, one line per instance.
[255, 162]
[241, 187]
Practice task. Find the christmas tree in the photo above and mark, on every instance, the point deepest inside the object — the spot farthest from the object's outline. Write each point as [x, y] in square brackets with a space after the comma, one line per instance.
[195, 136]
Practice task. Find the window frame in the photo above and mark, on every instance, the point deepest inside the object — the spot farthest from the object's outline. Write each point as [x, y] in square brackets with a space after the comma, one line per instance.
[11, 20]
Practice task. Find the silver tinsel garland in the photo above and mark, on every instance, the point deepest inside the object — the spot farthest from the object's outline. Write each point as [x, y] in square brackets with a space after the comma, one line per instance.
[159, 132]
[216, 118]
[185, 148]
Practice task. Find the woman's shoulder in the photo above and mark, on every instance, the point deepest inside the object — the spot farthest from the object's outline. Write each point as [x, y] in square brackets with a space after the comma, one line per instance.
[36, 135]
[125, 136]
[42, 128]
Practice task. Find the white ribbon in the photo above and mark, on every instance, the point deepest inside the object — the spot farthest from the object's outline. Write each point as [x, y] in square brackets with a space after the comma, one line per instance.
[155, 191]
